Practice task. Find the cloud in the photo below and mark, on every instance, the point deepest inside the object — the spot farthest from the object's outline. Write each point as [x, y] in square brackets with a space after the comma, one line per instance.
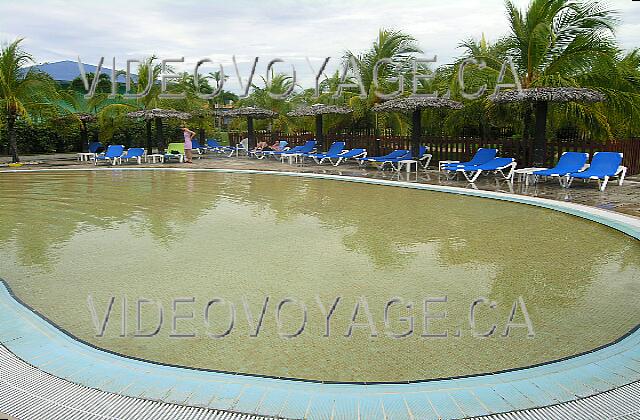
[62, 30]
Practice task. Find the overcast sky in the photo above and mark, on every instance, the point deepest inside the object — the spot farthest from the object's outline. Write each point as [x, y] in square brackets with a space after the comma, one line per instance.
[62, 29]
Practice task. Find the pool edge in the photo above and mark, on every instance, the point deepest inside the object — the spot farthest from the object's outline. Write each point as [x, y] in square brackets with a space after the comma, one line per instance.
[624, 223]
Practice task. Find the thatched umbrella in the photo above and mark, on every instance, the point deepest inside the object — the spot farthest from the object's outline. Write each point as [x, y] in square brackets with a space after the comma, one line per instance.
[157, 115]
[317, 111]
[251, 113]
[541, 98]
[415, 105]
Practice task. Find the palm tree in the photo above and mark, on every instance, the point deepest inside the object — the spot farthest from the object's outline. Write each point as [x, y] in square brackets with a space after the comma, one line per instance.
[22, 92]
[477, 114]
[278, 83]
[558, 43]
[148, 73]
[395, 45]
[390, 44]
[553, 41]
[82, 110]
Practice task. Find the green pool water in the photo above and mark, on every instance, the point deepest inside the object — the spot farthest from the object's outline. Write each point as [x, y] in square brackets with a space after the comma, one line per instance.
[72, 241]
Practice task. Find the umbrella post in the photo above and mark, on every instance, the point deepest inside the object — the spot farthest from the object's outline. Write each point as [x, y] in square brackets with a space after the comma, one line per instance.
[416, 131]
[148, 129]
[319, 131]
[84, 138]
[251, 134]
[540, 140]
[159, 134]
[201, 131]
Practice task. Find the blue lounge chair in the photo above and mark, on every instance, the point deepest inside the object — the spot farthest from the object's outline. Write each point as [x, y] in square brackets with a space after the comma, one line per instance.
[95, 147]
[425, 158]
[380, 159]
[112, 154]
[133, 153]
[294, 149]
[568, 163]
[261, 154]
[305, 149]
[214, 146]
[344, 156]
[482, 155]
[604, 165]
[336, 148]
[496, 165]
[394, 162]
[243, 146]
[195, 145]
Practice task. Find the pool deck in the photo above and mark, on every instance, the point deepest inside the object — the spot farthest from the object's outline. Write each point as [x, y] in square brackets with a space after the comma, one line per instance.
[571, 388]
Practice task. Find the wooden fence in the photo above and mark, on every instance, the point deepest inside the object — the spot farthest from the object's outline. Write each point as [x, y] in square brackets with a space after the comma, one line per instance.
[462, 148]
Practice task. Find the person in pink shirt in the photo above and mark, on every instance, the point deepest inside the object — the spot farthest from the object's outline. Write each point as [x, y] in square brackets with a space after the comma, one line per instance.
[188, 136]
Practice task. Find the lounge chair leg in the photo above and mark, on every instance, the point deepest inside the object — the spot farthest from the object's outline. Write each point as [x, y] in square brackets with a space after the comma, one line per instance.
[623, 174]
[475, 176]
[604, 183]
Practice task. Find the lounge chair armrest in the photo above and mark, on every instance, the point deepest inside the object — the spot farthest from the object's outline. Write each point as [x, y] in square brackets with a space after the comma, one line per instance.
[621, 169]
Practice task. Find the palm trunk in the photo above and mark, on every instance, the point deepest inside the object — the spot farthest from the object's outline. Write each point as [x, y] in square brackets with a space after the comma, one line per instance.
[13, 142]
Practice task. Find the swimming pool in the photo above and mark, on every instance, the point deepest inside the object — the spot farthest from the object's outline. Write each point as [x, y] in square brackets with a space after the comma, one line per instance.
[186, 239]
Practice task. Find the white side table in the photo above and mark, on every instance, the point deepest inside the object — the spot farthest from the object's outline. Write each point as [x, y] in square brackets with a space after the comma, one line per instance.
[85, 156]
[527, 174]
[407, 164]
[153, 158]
[293, 157]
[442, 163]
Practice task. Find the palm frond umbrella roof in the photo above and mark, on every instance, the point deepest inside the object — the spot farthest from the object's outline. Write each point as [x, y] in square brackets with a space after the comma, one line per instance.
[413, 103]
[247, 111]
[319, 109]
[83, 116]
[541, 97]
[149, 114]
[549, 94]
[202, 112]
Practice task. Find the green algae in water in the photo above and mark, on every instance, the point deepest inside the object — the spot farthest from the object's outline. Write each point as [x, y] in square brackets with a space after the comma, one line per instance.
[253, 241]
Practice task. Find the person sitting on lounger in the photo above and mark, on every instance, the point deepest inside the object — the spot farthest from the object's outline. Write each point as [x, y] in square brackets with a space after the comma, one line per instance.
[264, 146]
[275, 147]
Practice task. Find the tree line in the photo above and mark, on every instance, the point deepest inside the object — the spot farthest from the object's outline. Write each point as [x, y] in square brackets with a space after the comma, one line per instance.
[552, 43]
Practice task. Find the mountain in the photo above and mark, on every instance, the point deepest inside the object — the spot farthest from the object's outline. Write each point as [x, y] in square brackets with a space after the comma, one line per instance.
[66, 71]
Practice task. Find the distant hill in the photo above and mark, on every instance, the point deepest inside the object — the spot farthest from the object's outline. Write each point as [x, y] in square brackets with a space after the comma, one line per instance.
[66, 71]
